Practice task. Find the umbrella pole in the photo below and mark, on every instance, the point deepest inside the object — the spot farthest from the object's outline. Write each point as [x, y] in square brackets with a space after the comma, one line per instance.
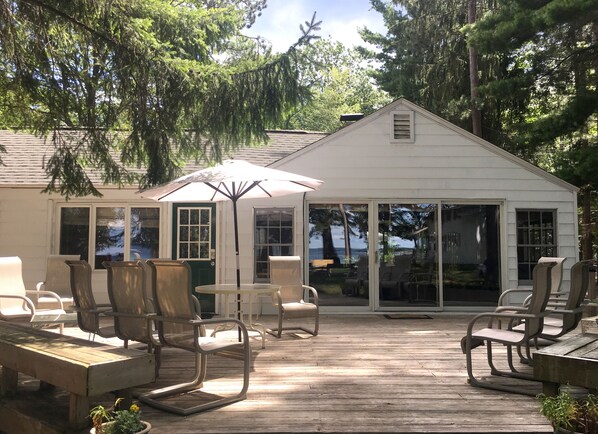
[236, 229]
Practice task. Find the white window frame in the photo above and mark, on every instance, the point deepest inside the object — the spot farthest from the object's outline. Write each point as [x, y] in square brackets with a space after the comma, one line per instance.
[93, 207]
[292, 244]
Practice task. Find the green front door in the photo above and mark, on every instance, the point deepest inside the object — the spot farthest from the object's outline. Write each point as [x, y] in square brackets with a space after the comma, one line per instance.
[194, 241]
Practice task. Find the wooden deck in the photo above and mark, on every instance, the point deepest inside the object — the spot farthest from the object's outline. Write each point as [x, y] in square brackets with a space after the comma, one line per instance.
[363, 373]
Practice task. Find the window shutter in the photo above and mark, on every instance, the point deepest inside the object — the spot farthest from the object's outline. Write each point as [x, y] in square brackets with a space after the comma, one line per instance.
[402, 126]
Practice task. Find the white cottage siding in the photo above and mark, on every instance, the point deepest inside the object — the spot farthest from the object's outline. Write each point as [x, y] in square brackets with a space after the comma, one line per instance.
[444, 163]
[24, 230]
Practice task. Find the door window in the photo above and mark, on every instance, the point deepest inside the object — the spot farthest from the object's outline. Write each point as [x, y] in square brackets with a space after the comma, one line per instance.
[194, 234]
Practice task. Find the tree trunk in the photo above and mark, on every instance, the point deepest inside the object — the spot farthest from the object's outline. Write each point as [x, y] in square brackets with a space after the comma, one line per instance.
[474, 82]
[586, 224]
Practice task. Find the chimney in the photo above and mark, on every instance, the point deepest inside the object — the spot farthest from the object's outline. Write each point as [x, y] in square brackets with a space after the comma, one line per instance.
[351, 117]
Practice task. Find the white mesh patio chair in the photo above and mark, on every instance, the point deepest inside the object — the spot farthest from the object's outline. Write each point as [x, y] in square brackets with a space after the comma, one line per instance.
[57, 280]
[293, 298]
[16, 302]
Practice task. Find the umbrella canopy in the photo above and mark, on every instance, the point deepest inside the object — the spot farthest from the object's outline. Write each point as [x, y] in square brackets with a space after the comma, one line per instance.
[232, 180]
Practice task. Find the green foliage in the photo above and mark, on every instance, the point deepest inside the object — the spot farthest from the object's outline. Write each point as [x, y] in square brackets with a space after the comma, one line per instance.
[337, 80]
[565, 412]
[424, 57]
[144, 83]
[115, 420]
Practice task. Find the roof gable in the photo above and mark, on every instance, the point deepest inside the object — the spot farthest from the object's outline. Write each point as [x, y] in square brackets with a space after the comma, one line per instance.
[403, 104]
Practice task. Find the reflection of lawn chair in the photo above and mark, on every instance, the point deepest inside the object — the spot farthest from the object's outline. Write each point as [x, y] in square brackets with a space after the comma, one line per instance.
[357, 278]
[422, 286]
[393, 278]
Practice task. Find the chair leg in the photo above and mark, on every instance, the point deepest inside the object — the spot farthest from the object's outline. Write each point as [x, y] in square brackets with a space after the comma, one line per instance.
[151, 398]
[477, 383]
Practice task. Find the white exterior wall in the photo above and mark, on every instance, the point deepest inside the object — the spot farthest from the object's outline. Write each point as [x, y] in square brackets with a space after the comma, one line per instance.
[29, 229]
[443, 164]
[357, 164]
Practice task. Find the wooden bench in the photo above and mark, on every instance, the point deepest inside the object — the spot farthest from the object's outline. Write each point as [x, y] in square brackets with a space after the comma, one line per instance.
[81, 367]
[573, 361]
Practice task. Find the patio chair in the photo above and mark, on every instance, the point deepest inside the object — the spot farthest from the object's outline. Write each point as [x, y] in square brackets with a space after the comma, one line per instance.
[499, 329]
[564, 318]
[133, 312]
[180, 326]
[556, 276]
[58, 280]
[16, 305]
[88, 311]
[291, 298]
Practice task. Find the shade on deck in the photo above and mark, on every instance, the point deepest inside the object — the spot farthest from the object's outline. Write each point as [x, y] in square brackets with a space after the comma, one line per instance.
[363, 373]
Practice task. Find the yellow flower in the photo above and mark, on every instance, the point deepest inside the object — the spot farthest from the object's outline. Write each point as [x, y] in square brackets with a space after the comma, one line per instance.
[134, 408]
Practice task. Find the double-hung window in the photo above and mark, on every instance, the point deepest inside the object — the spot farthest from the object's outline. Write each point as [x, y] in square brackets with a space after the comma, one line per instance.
[273, 236]
[536, 237]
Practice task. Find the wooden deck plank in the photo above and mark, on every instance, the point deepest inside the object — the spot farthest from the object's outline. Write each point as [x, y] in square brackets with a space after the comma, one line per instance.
[363, 373]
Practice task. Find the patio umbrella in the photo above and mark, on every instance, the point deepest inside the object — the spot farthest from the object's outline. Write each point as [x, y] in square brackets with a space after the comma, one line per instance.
[232, 180]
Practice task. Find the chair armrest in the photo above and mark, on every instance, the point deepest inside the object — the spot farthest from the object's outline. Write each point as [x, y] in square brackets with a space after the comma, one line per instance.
[26, 301]
[131, 315]
[97, 311]
[512, 291]
[511, 316]
[567, 311]
[49, 293]
[314, 293]
[38, 285]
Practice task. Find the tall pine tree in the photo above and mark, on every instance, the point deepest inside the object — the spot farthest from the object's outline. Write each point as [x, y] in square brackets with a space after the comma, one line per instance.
[143, 82]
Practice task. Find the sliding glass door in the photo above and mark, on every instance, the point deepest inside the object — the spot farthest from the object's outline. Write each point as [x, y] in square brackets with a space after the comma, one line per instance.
[470, 254]
[338, 253]
[407, 255]
[393, 255]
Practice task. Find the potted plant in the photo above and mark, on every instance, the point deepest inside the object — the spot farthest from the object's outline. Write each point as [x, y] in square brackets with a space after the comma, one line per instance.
[569, 414]
[115, 420]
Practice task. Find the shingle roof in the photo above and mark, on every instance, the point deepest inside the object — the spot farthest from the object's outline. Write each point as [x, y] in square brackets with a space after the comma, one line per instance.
[26, 154]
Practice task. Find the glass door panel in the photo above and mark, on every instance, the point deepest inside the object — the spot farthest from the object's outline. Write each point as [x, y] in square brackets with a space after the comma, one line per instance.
[470, 255]
[338, 253]
[408, 264]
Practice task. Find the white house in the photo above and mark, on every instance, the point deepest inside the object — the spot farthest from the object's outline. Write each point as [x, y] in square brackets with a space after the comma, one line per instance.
[414, 214]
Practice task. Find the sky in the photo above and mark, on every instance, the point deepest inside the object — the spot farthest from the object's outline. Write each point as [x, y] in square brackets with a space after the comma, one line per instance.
[279, 22]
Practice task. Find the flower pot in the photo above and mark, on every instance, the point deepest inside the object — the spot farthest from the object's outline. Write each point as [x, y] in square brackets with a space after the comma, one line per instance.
[147, 428]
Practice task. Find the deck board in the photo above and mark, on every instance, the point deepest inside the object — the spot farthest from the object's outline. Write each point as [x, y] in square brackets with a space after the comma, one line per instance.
[363, 373]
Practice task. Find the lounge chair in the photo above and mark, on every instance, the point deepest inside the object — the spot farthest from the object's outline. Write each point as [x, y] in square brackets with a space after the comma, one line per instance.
[499, 329]
[88, 311]
[133, 312]
[180, 326]
[15, 303]
[58, 280]
[291, 298]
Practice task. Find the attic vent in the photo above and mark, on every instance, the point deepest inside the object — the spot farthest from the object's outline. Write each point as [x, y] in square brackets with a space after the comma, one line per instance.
[402, 126]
